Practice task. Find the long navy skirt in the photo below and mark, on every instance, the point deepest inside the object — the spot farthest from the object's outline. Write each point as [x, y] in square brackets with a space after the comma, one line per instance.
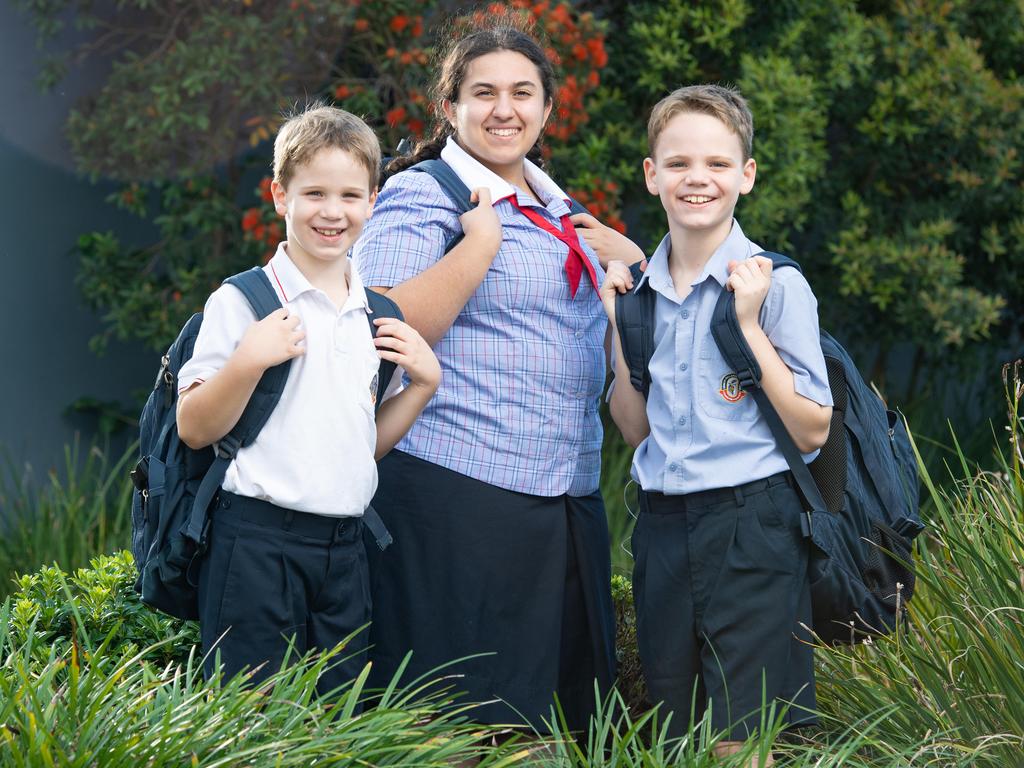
[476, 569]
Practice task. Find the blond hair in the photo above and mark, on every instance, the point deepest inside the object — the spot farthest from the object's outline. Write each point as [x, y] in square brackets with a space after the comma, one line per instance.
[719, 101]
[321, 127]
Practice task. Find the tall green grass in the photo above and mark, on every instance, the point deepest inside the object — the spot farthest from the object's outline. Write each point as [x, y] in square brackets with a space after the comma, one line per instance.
[81, 510]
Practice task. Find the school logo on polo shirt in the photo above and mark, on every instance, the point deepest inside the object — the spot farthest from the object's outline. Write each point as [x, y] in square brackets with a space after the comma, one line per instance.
[373, 388]
[730, 390]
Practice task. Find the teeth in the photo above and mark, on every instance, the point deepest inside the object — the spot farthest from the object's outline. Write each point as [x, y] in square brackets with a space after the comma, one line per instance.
[697, 199]
[503, 131]
[329, 232]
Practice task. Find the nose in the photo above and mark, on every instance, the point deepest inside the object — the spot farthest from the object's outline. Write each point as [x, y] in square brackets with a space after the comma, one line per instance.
[331, 208]
[503, 105]
[696, 174]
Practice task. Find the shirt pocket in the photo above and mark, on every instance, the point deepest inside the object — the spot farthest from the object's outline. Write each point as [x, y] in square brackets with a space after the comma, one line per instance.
[718, 387]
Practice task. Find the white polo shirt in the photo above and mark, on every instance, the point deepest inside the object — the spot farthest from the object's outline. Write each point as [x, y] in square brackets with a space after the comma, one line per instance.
[315, 453]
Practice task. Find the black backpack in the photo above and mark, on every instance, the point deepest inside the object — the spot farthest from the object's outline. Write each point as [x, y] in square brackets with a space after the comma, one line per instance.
[175, 485]
[861, 492]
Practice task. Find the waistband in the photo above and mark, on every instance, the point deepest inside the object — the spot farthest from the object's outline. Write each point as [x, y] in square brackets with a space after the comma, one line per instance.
[232, 507]
[661, 503]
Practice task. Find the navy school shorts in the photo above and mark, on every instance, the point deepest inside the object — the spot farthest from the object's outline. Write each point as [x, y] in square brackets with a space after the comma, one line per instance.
[273, 577]
[476, 569]
[722, 601]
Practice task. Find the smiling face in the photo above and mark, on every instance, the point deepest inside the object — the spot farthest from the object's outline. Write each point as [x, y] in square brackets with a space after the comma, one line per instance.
[699, 173]
[500, 112]
[325, 205]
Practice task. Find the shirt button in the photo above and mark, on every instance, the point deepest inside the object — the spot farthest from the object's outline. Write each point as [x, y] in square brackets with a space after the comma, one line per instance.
[682, 420]
[684, 314]
[683, 366]
[579, 334]
[672, 467]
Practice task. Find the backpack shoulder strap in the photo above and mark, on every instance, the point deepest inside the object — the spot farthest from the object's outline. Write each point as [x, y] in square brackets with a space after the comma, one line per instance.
[634, 320]
[255, 286]
[381, 306]
[725, 329]
[451, 185]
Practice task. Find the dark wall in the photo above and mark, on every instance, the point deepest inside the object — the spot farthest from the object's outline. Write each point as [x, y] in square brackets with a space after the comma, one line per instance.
[44, 326]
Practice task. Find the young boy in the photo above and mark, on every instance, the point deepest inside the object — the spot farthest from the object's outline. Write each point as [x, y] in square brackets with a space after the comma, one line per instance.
[720, 582]
[286, 569]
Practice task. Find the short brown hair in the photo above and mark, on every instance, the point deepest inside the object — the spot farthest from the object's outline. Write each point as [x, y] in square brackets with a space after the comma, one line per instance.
[719, 101]
[321, 127]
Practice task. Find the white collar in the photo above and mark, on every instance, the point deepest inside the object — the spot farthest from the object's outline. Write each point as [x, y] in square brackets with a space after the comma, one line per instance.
[292, 282]
[475, 174]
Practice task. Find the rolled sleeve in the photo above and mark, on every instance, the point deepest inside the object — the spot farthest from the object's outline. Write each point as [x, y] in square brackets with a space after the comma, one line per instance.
[790, 320]
[412, 222]
[226, 317]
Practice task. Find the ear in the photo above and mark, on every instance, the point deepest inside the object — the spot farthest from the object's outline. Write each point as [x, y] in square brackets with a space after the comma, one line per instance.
[547, 111]
[277, 191]
[749, 173]
[369, 206]
[650, 175]
[449, 111]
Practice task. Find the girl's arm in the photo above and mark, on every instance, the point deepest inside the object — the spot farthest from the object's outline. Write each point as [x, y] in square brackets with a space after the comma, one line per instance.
[433, 298]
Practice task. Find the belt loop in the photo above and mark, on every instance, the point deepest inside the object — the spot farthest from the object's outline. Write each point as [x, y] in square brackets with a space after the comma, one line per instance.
[738, 493]
[289, 518]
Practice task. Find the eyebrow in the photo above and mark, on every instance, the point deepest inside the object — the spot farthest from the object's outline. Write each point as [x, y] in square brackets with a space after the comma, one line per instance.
[520, 84]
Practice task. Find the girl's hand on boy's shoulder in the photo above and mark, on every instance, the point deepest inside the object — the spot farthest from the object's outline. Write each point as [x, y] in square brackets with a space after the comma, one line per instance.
[749, 280]
[617, 279]
[481, 224]
[609, 244]
[400, 343]
[272, 340]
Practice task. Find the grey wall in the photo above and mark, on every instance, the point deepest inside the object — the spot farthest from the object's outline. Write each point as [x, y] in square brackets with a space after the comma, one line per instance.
[44, 325]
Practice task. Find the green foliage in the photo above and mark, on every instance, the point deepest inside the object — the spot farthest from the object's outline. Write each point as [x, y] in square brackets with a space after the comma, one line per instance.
[81, 511]
[53, 611]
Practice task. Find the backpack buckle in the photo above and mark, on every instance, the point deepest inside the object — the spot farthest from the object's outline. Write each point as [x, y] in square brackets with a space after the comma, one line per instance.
[747, 378]
[227, 447]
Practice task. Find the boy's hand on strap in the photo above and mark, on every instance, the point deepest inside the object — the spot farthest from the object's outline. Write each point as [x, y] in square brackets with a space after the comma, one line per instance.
[400, 343]
[749, 280]
[607, 243]
[481, 224]
[271, 341]
[617, 280]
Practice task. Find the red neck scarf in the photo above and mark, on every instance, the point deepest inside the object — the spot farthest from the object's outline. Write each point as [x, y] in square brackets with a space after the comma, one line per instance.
[577, 260]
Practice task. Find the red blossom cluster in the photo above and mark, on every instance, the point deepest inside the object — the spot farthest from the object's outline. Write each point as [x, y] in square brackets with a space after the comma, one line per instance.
[601, 199]
[261, 224]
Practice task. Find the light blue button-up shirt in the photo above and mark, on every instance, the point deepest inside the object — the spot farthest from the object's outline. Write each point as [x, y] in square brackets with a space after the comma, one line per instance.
[523, 365]
[706, 432]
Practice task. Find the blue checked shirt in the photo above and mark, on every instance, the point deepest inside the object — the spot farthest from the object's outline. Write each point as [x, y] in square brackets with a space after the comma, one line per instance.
[706, 432]
[523, 364]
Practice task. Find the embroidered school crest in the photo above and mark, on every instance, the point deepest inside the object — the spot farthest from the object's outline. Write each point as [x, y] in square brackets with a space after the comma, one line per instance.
[731, 391]
[373, 389]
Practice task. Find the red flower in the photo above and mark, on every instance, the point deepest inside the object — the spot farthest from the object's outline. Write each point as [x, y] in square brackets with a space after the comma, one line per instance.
[260, 231]
[342, 92]
[395, 116]
[417, 26]
[415, 126]
[593, 79]
[580, 52]
[265, 193]
[405, 58]
[251, 219]
[391, 52]
[361, 25]
[398, 23]
[176, 295]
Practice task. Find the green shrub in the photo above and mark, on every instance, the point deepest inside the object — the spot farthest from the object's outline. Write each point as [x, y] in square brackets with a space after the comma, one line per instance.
[92, 607]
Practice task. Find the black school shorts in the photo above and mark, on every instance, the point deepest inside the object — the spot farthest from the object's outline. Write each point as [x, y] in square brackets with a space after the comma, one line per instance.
[475, 569]
[722, 601]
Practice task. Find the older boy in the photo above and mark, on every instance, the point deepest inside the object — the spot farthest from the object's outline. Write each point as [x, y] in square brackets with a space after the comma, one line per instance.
[286, 570]
[720, 581]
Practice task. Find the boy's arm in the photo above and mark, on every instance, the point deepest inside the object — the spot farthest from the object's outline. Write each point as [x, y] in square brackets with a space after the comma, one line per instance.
[627, 406]
[400, 343]
[806, 421]
[207, 410]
